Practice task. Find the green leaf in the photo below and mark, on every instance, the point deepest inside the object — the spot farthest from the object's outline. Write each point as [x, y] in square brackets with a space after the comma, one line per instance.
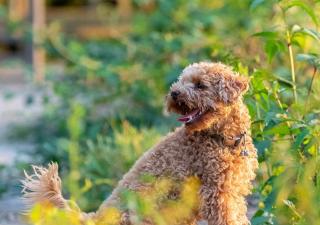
[284, 81]
[262, 147]
[292, 207]
[258, 213]
[312, 33]
[259, 220]
[309, 32]
[255, 3]
[267, 34]
[307, 57]
[280, 129]
[311, 58]
[271, 49]
[305, 7]
[270, 200]
[270, 116]
[312, 150]
[299, 139]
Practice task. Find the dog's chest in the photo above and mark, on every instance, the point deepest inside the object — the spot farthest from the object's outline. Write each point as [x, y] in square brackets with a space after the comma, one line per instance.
[209, 157]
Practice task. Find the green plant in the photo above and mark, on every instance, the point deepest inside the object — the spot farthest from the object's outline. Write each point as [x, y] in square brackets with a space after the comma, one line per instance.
[108, 158]
[286, 125]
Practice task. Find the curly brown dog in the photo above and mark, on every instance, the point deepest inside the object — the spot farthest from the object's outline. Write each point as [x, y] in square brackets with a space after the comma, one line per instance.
[214, 144]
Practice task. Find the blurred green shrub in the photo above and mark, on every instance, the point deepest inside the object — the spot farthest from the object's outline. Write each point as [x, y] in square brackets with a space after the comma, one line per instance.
[108, 158]
[286, 127]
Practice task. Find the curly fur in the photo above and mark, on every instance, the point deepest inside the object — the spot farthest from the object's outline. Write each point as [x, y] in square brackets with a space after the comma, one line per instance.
[194, 149]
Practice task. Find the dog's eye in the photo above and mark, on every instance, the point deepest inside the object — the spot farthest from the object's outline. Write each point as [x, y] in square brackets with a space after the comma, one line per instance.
[200, 86]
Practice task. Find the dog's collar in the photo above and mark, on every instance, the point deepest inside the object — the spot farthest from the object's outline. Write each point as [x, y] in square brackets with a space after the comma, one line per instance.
[233, 142]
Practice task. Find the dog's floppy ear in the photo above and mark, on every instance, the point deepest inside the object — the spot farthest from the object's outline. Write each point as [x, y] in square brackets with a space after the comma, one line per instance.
[230, 88]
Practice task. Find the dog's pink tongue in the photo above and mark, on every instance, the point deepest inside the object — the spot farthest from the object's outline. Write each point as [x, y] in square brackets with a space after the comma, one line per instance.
[188, 117]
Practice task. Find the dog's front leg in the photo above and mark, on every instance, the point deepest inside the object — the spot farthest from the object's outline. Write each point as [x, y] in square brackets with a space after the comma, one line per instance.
[211, 211]
[220, 207]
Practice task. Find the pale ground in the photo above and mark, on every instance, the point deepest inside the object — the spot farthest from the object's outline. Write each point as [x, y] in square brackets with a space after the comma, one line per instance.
[13, 111]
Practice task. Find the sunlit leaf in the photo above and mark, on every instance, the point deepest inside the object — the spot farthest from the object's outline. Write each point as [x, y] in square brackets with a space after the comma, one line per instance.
[279, 129]
[313, 150]
[291, 205]
[309, 32]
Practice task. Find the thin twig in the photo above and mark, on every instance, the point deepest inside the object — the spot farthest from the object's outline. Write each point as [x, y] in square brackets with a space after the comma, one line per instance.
[258, 114]
[278, 100]
[310, 87]
[293, 73]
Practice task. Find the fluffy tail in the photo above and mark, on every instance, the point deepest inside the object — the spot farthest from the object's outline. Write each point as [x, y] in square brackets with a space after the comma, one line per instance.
[44, 185]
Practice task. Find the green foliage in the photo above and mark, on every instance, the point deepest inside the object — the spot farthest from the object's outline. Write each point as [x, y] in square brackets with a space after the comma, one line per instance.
[287, 136]
[107, 158]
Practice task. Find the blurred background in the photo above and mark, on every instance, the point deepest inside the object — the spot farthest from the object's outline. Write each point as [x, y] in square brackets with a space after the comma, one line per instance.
[82, 83]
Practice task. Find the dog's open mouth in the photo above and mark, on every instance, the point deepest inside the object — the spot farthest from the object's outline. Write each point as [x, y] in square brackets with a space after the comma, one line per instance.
[191, 116]
[188, 114]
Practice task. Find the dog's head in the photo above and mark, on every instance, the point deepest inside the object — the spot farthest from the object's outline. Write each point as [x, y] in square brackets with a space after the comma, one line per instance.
[204, 92]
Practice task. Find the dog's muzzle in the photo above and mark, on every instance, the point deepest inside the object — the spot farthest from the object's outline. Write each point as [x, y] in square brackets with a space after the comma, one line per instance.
[175, 94]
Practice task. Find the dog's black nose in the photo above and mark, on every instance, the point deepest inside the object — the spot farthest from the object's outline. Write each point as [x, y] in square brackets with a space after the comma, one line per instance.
[175, 94]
